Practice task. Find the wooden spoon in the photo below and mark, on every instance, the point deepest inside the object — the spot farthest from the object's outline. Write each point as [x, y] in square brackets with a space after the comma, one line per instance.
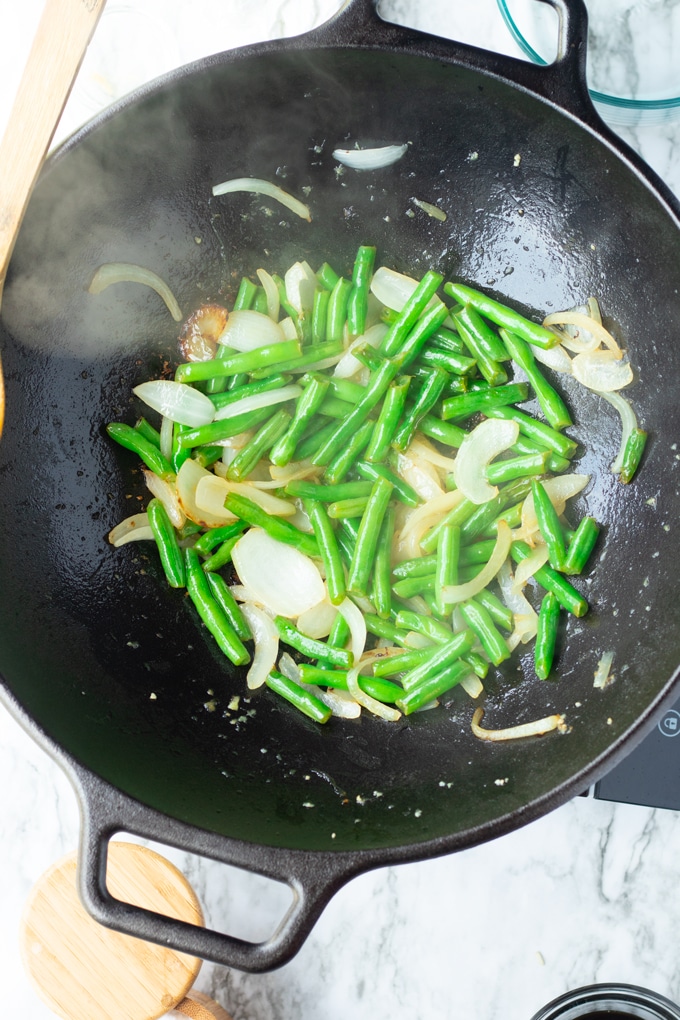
[64, 31]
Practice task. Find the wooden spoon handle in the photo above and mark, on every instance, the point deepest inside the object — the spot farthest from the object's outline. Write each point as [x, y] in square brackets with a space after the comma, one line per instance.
[65, 29]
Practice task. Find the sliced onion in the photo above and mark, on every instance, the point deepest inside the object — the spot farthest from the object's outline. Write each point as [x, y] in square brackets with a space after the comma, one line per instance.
[357, 627]
[271, 292]
[281, 577]
[370, 159]
[603, 671]
[559, 489]
[257, 400]
[555, 358]
[452, 593]
[525, 629]
[128, 272]
[167, 431]
[628, 425]
[349, 365]
[188, 478]
[432, 210]
[530, 729]
[340, 702]
[472, 685]
[246, 330]
[393, 289]
[479, 447]
[317, 621]
[177, 401]
[266, 638]
[135, 528]
[300, 285]
[424, 450]
[585, 322]
[294, 469]
[167, 494]
[365, 700]
[200, 332]
[421, 476]
[537, 558]
[513, 599]
[257, 186]
[602, 371]
[288, 328]
[212, 491]
[420, 520]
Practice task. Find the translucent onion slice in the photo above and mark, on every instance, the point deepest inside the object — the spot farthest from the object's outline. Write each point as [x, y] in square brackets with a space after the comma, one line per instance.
[559, 489]
[349, 365]
[167, 431]
[603, 671]
[555, 358]
[128, 272]
[340, 702]
[602, 371]
[253, 403]
[585, 322]
[271, 292]
[370, 159]
[365, 700]
[393, 289]
[188, 477]
[300, 285]
[628, 424]
[317, 621]
[212, 491]
[357, 627]
[421, 476]
[424, 450]
[282, 578]
[528, 567]
[266, 639]
[246, 330]
[452, 593]
[419, 522]
[177, 401]
[513, 599]
[526, 626]
[257, 186]
[167, 494]
[530, 729]
[294, 469]
[432, 210]
[135, 528]
[479, 447]
[472, 685]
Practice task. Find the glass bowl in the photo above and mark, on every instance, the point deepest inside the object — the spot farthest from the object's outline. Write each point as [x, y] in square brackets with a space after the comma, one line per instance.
[633, 56]
[618, 1002]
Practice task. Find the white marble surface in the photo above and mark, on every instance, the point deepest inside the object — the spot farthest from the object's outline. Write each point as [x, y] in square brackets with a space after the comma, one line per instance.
[584, 894]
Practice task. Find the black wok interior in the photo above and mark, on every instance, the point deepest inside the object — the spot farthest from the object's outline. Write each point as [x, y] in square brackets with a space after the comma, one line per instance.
[113, 665]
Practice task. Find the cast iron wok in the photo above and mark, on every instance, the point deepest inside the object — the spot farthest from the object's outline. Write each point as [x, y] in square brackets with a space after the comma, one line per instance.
[109, 669]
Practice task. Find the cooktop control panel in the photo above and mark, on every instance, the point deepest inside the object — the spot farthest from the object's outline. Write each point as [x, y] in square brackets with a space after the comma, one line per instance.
[650, 774]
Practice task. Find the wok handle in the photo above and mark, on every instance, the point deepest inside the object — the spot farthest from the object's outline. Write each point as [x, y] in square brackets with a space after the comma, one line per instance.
[313, 878]
[563, 83]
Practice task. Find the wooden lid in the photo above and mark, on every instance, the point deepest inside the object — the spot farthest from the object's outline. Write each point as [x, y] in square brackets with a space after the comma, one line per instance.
[84, 971]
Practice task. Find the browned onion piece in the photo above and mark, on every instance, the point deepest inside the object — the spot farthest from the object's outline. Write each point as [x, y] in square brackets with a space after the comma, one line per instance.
[200, 332]
[530, 729]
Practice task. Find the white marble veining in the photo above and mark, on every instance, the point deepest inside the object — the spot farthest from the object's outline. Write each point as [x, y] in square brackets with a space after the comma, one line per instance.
[585, 894]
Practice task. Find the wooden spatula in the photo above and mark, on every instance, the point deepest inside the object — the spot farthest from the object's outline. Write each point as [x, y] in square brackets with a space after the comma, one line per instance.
[64, 31]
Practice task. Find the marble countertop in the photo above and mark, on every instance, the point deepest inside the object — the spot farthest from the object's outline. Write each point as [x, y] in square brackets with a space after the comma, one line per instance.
[583, 895]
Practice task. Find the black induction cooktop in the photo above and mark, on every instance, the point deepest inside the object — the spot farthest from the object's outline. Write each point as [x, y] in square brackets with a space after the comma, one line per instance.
[650, 774]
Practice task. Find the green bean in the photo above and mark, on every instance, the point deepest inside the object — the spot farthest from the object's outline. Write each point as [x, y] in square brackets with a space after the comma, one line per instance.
[497, 610]
[470, 403]
[168, 547]
[447, 340]
[501, 315]
[554, 408]
[409, 587]
[314, 439]
[320, 316]
[301, 489]
[347, 390]
[260, 301]
[230, 607]
[552, 581]
[345, 459]
[245, 295]
[210, 611]
[223, 428]
[581, 545]
[328, 548]
[414, 307]
[270, 356]
[546, 635]
[479, 520]
[310, 647]
[426, 325]
[390, 414]
[435, 428]
[281, 530]
[483, 344]
[632, 454]
[439, 658]
[345, 429]
[339, 632]
[253, 389]
[222, 554]
[133, 440]
[337, 309]
[420, 566]
[479, 620]
[309, 357]
[353, 507]
[432, 687]
[477, 663]
[147, 430]
[367, 537]
[357, 304]
[392, 665]
[402, 490]
[385, 629]
[334, 407]
[500, 471]
[428, 395]
[449, 361]
[306, 407]
[250, 455]
[447, 556]
[206, 455]
[407, 620]
[544, 434]
[213, 537]
[549, 526]
[458, 516]
[381, 592]
[376, 687]
[327, 276]
[180, 453]
[303, 700]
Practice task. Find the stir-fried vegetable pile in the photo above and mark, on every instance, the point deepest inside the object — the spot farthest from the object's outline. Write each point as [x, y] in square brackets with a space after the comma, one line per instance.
[343, 480]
